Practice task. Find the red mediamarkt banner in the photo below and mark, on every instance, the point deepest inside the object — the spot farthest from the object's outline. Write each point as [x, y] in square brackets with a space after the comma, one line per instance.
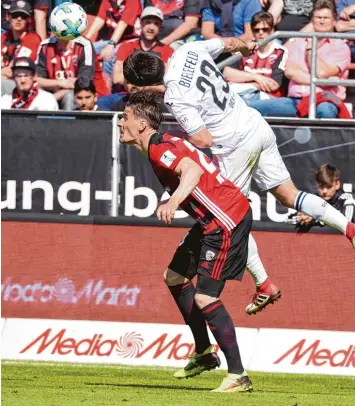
[114, 273]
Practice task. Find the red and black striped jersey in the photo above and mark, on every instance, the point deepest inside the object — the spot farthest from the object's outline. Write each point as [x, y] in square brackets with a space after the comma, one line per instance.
[215, 201]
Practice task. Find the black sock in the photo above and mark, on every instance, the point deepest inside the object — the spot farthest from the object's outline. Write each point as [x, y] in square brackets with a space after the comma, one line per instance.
[223, 330]
[184, 295]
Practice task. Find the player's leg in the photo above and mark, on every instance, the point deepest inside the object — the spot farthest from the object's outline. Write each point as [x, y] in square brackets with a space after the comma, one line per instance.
[227, 254]
[266, 292]
[238, 166]
[271, 174]
[178, 279]
[289, 196]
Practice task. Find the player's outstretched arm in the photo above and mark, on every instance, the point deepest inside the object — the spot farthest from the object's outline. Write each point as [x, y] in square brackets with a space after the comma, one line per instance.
[233, 45]
[190, 173]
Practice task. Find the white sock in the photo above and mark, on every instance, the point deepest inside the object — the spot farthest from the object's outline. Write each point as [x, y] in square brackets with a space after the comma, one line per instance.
[254, 265]
[319, 209]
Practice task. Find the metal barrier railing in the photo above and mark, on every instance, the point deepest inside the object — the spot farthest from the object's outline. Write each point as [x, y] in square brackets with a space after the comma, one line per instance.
[314, 80]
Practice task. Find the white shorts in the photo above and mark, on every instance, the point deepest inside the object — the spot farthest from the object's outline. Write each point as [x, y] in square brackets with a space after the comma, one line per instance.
[257, 157]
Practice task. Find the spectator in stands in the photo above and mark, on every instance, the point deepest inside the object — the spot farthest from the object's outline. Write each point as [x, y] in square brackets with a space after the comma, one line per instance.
[228, 18]
[26, 94]
[181, 18]
[121, 21]
[60, 63]
[37, 22]
[85, 95]
[151, 22]
[329, 188]
[333, 58]
[261, 75]
[346, 21]
[290, 15]
[16, 41]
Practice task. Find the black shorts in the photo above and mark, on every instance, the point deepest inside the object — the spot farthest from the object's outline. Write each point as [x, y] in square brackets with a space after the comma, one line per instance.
[219, 255]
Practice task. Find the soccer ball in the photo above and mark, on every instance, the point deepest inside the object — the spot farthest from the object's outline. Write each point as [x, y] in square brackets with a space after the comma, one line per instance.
[68, 21]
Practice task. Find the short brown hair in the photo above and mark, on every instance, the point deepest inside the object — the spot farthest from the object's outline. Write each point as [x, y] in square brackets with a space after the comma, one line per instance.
[147, 105]
[262, 16]
[327, 174]
[321, 4]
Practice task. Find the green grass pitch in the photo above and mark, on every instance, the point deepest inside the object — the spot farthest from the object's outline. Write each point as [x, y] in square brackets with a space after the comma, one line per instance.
[45, 384]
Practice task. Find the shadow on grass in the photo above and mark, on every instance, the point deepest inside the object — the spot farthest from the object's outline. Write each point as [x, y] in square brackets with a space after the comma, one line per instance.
[145, 386]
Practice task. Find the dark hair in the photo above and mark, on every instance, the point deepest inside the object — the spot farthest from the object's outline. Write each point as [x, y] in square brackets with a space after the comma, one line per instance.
[327, 174]
[321, 4]
[147, 105]
[262, 16]
[84, 84]
[143, 68]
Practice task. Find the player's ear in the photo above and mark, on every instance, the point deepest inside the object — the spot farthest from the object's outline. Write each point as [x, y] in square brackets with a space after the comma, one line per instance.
[337, 184]
[142, 125]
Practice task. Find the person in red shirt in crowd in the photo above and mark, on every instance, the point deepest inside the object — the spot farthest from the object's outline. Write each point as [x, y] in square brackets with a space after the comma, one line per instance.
[121, 20]
[181, 18]
[60, 63]
[261, 75]
[37, 22]
[16, 42]
[151, 23]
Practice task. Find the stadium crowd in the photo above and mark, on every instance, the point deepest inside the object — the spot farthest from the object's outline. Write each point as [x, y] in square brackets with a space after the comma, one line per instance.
[87, 73]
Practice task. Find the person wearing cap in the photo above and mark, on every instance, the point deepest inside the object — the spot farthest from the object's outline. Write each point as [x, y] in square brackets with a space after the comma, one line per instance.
[116, 20]
[151, 22]
[16, 42]
[38, 19]
[26, 95]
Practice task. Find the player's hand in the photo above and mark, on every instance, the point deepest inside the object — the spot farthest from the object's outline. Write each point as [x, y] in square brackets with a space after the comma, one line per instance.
[304, 219]
[166, 211]
[107, 53]
[252, 47]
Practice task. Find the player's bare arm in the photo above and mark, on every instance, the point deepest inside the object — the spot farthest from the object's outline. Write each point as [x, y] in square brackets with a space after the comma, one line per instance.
[233, 45]
[190, 173]
[202, 139]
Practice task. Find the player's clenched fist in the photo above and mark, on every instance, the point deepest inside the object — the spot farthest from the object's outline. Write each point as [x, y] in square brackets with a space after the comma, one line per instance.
[166, 211]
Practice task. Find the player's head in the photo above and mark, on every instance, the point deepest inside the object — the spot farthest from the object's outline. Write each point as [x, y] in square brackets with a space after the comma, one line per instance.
[141, 118]
[142, 70]
[85, 94]
[328, 181]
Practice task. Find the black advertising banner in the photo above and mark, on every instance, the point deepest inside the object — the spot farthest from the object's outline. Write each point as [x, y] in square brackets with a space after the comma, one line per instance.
[303, 149]
[56, 164]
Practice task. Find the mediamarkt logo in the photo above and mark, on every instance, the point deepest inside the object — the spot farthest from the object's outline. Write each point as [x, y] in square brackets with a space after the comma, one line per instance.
[64, 290]
[130, 345]
[315, 354]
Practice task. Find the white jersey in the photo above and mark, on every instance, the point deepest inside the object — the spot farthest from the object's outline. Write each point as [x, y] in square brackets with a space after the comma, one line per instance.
[199, 97]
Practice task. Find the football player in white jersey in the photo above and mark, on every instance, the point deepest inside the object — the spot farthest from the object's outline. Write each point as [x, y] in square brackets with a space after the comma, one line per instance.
[242, 142]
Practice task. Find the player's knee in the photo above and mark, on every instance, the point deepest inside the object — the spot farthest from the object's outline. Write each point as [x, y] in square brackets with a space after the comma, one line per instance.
[203, 300]
[172, 278]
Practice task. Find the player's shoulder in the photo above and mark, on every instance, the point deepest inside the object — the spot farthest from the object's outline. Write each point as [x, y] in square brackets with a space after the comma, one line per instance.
[163, 149]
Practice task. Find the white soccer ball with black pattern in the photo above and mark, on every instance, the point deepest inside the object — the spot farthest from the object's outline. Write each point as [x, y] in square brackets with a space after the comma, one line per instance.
[68, 21]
